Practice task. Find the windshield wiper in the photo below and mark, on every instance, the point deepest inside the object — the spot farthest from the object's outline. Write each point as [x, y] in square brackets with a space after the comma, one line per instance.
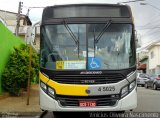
[108, 65]
[103, 30]
[71, 33]
[94, 36]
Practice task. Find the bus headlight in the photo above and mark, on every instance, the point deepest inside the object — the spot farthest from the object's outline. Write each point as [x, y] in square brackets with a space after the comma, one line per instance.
[51, 92]
[43, 86]
[132, 85]
[124, 91]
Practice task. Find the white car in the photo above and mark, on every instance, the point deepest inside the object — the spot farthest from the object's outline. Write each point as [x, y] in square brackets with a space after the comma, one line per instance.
[142, 78]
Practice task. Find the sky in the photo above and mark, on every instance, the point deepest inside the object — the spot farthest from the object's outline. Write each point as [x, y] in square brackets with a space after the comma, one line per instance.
[146, 17]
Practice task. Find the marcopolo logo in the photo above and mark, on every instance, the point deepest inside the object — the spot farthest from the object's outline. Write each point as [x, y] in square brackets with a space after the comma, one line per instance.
[88, 91]
[91, 72]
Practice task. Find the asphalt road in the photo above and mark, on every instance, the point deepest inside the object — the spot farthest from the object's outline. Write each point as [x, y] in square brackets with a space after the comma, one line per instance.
[148, 101]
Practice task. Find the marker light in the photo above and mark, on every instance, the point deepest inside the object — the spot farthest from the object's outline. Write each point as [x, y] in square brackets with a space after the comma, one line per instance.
[124, 91]
[132, 85]
[43, 86]
[51, 92]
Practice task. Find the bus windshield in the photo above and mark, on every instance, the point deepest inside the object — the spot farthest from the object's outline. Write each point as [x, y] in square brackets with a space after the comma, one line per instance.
[87, 46]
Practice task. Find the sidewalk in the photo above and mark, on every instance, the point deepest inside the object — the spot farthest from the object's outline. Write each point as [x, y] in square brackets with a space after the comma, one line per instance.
[18, 104]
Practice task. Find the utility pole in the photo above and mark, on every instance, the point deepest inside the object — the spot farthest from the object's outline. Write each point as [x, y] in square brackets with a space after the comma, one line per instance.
[29, 73]
[18, 17]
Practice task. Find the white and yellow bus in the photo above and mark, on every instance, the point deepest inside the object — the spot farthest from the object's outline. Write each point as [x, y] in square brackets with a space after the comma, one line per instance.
[88, 58]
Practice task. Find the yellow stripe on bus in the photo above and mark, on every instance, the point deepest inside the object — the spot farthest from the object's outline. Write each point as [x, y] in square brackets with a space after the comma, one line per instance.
[43, 78]
[68, 89]
[65, 89]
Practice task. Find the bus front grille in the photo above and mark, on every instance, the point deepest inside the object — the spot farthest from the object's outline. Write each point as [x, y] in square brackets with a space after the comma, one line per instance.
[72, 101]
[89, 79]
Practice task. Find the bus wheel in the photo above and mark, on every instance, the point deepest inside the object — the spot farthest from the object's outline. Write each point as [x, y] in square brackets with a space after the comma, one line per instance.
[43, 113]
[56, 114]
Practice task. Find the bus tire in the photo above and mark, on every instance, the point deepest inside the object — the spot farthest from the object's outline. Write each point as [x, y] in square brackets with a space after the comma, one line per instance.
[57, 114]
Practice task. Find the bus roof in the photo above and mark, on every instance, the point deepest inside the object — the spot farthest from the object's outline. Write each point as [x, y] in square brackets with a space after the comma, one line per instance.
[86, 11]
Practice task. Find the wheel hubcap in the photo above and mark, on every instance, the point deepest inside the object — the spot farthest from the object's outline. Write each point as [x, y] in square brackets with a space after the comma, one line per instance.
[154, 86]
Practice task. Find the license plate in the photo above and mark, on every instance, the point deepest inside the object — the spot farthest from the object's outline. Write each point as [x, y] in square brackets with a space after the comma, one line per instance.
[87, 103]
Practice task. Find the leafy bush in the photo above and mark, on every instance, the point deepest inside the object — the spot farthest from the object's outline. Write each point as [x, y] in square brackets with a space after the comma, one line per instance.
[15, 75]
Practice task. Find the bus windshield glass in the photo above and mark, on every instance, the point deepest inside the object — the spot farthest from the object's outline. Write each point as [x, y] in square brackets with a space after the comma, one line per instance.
[87, 46]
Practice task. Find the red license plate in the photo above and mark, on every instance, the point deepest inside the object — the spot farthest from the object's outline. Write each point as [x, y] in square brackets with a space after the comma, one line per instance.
[87, 103]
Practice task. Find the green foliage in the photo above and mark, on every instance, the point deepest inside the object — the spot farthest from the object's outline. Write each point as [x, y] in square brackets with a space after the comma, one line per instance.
[15, 75]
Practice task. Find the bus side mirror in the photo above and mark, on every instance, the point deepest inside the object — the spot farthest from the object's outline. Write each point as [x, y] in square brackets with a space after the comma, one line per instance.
[137, 40]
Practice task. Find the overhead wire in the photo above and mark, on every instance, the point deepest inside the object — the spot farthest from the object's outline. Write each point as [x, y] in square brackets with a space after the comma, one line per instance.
[153, 22]
[156, 39]
[150, 21]
[150, 33]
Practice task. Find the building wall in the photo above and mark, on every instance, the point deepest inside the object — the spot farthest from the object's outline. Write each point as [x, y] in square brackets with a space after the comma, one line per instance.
[37, 42]
[142, 58]
[158, 53]
[158, 60]
[154, 60]
[142, 55]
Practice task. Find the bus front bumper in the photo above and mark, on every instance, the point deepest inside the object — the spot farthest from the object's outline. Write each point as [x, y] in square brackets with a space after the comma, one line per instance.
[129, 102]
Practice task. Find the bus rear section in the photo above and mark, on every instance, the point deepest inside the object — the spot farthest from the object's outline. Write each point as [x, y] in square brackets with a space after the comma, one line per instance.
[88, 58]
